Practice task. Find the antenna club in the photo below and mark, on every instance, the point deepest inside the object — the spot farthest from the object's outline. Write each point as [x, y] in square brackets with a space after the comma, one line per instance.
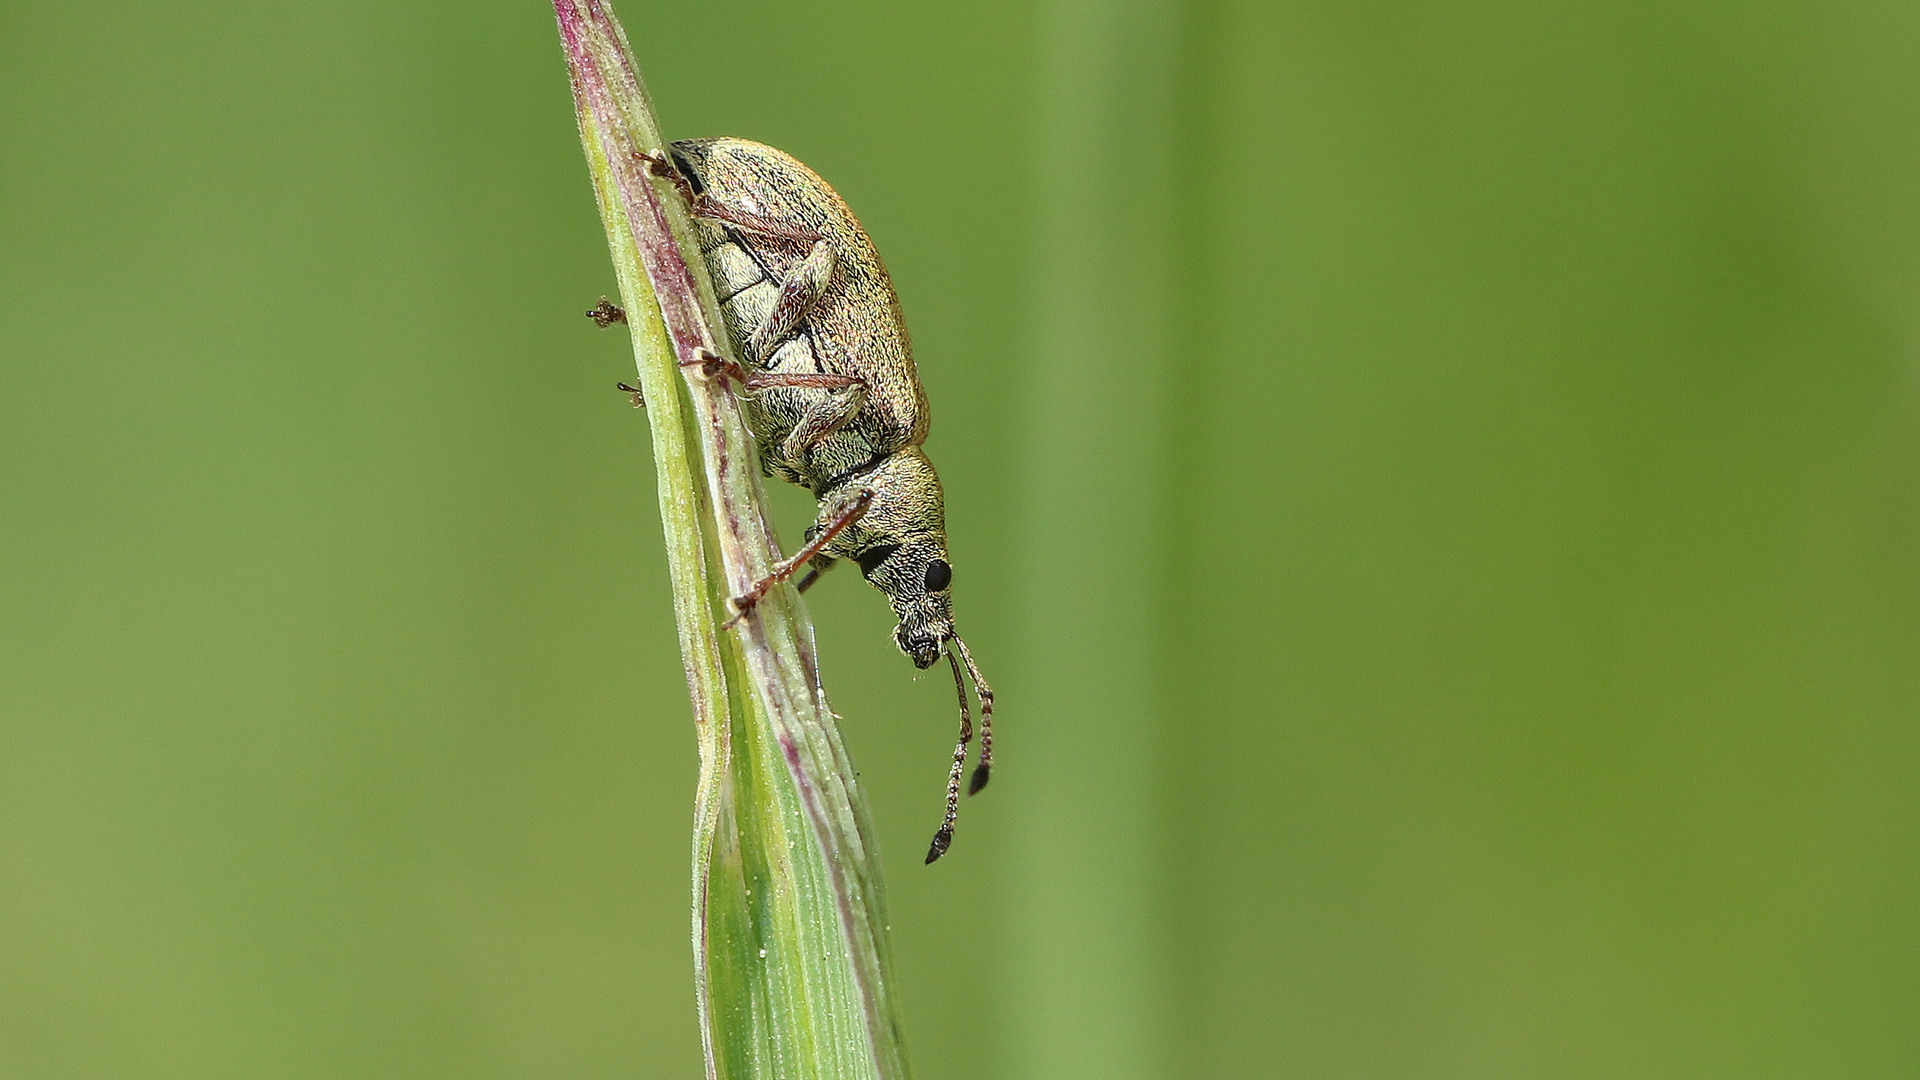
[980, 777]
[940, 841]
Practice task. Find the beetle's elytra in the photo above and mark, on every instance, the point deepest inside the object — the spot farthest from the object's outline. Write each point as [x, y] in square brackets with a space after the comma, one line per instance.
[833, 397]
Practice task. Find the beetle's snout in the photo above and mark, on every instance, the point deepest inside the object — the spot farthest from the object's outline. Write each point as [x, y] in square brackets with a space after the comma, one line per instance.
[922, 648]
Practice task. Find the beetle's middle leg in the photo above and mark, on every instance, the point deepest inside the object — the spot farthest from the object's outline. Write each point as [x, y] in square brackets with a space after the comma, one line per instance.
[843, 516]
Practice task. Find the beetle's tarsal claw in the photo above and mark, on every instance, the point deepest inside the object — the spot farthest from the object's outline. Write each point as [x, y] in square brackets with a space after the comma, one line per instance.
[940, 841]
[980, 777]
[740, 605]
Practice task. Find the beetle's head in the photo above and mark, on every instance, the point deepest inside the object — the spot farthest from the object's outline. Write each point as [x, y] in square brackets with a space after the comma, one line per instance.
[915, 578]
[900, 544]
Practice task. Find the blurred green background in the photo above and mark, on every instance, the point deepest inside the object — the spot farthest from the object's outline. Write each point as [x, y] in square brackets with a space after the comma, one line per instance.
[1435, 486]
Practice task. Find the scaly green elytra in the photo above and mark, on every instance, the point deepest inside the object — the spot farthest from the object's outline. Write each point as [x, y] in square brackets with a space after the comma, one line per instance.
[832, 395]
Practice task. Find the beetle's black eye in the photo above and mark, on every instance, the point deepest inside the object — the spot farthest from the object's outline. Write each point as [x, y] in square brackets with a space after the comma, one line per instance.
[939, 575]
[871, 558]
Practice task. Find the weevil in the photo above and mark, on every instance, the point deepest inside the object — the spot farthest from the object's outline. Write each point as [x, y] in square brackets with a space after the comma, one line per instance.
[832, 396]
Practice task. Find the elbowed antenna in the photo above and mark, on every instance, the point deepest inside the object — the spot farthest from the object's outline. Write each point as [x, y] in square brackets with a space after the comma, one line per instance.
[985, 693]
[955, 655]
[944, 835]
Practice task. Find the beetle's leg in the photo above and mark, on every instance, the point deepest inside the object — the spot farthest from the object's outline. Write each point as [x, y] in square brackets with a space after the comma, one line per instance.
[706, 206]
[821, 421]
[712, 364]
[842, 517]
[816, 566]
[805, 284]
[817, 380]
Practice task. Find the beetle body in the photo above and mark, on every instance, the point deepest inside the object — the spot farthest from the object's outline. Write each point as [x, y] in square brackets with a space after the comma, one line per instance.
[833, 396]
[852, 326]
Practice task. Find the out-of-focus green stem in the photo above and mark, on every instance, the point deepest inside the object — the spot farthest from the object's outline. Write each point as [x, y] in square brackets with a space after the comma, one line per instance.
[1104, 353]
[789, 923]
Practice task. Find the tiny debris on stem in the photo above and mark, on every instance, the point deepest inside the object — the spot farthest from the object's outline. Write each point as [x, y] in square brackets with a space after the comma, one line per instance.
[606, 313]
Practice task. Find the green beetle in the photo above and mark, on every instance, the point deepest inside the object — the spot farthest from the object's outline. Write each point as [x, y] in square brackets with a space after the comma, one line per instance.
[833, 397]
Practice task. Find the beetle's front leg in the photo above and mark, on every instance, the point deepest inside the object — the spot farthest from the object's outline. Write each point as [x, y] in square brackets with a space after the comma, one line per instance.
[830, 526]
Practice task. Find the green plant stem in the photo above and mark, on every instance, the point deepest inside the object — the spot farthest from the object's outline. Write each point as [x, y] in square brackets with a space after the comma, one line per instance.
[789, 923]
